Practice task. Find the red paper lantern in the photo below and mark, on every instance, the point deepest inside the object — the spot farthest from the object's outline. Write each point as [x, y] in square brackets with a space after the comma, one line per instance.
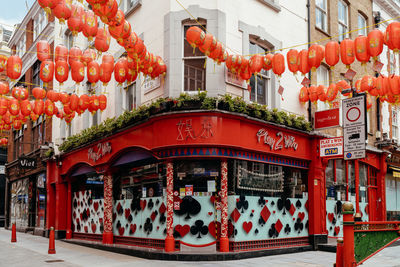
[267, 64]
[84, 101]
[332, 53]
[107, 11]
[393, 36]
[106, 70]
[342, 85]
[120, 32]
[347, 54]
[361, 44]
[39, 93]
[3, 106]
[210, 43]
[75, 21]
[19, 93]
[63, 11]
[49, 108]
[14, 67]
[215, 54]
[74, 102]
[61, 53]
[120, 70]
[38, 107]
[302, 61]
[102, 41]
[64, 98]
[321, 92]
[108, 58]
[4, 88]
[46, 71]
[332, 92]
[278, 64]
[313, 93]
[367, 83]
[75, 54]
[315, 56]
[13, 107]
[291, 58]
[88, 56]
[394, 84]
[7, 118]
[53, 96]
[26, 107]
[195, 36]
[102, 102]
[303, 96]
[375, 41]
[3, 62]
[77, 71]
[43, 50]
[93, 72]
[256, 63]
[90, 25]
[45, 4]
[61, 71]
[378, 86]
[17, 125]
[118, 19]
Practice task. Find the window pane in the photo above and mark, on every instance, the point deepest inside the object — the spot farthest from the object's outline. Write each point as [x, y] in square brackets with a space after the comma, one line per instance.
[361, 25]
[253, 86]
[321, 4]
[342, 12]
[260, 90]
[194, 72]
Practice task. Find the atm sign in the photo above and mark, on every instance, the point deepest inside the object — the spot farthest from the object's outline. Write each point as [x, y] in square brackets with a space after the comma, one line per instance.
[330, 147]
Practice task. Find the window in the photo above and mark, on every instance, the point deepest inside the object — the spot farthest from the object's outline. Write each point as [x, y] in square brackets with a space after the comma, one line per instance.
[262, 81]
[194, 67]
[39, 132]
[21, 47]
[130, 97]
[335, 180]
[322, 79]
[321, 14]
[130, 4]
[36, 74]
[69, 39]
[39, 23]
[18, 143]
[395, 124]
[343, 15]
[362, 24]
[391, 66]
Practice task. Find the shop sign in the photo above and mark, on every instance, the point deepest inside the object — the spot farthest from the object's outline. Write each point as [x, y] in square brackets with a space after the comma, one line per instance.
[277, 143]
[234, 79]
[329, 147]
[326, 119]
[150, 84]
[187, 131]
[27, 163]
[189, 190]
[94, 180]
[102, 150]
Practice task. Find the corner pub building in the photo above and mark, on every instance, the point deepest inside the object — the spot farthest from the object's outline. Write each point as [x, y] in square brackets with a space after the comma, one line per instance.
[205, 179]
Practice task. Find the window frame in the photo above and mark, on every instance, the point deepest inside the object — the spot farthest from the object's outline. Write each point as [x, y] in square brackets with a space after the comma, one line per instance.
[324, 13]
[344, 24]
[263, 74]
[126, 103]
[364, 30]
[323, 105]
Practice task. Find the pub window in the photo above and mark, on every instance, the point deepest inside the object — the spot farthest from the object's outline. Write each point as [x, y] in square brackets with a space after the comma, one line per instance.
[194, 64]
[335, 180]
[395, 125]
[262, 81]
[363, 196]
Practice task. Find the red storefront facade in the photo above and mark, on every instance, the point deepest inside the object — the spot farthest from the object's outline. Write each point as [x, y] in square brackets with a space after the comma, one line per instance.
[197, 179]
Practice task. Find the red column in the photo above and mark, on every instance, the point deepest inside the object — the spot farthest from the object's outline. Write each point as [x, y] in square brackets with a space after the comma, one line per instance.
[108, 209]
[61, 207]
[69, 211]
[224, 241]
[348, 235]
[357, 184]
[381, 183]
[169, 240]
[50, 201]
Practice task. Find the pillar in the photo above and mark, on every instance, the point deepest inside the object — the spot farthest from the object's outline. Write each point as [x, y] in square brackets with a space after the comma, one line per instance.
[348, 235]
[381, 183]
[69, 211]
[108, 209]
[224, 241]
[50, 201]
[169, 240]
[61, 210]
[357, 184]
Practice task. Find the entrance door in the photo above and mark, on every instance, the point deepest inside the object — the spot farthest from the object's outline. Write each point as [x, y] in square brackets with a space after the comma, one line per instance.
[372, 193]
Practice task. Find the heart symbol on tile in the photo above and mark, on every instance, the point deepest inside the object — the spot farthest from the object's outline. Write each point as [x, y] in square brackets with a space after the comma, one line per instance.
[210, 213]
[211, 229]
[301, 215]
[182, 230]
[337, 230]
[93, 228]
[132, 229]
[121, 230]
[143, 204]
[247, 226]
[127, 213]
[96, 206]
[330, 216]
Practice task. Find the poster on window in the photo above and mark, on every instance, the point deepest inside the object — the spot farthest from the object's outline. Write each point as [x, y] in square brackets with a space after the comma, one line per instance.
[234, 79]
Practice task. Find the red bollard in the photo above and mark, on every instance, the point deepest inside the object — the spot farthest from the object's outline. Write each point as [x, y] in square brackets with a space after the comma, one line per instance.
[339, 253]
[52, 249]
[14, 233]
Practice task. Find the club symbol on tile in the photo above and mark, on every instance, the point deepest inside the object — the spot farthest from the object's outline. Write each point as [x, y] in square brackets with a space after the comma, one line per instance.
[242, 204]
[199, 228]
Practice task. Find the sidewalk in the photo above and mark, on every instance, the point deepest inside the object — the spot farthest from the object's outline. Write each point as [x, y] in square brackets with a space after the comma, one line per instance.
[32, 251]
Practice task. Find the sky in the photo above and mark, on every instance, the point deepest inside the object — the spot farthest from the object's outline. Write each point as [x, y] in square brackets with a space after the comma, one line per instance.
[14, 11]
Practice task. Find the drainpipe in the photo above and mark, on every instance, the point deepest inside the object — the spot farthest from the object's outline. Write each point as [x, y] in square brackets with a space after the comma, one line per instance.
[309, 40]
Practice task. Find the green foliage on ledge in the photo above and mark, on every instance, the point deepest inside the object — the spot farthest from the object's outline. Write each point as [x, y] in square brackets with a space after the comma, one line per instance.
[183, 102]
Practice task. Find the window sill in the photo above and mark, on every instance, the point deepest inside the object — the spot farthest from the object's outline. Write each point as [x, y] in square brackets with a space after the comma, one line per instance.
[322, 31]
[133, 8]
[274, 4]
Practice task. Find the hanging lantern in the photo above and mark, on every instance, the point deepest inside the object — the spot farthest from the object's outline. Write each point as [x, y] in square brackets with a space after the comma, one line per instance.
[120, 32]
[64, 98]
[367, 83]
[393, 36]
[118, 19]
[378, 86]
[39, 93]
[19, 93]
[38, 107]
[88, 56]
[375, 41]
[394, 84]
[215, 54]
[46, 71]
[17, 125]
[43, 50]
[278, 64]
[13, 107]
[45, 4]
[107, 11]
[129, 43]
[313, 93]
[120, 70]
[291, 59]
[332, 53]
[75, 21]
[4, 88]
[256, 63]
[7, 127]
[321, 92]
[139, 47]
[332, 92]
[361, 45]
[369, 102]
[53, 96]
[49, 108]
[61, 72]
[63, 11]
[3, 62]
[105, 71]
[357, 85]
[102, 102]
[26, 108]
[77, 71]
[7, 118]
[75, 54]
[84, 101]
[14, 67]
[90, 25]
[303, 96]
[315, 56]
[61, 53]
[342, 85]
[210, 43]
[131, 75]
[302, 62]
[68, 119]
[347, 54]
[3, 106]
[195, 36]
[93, 72]
[74, 102]
[102, 41]
[108, 58]
[267, 64]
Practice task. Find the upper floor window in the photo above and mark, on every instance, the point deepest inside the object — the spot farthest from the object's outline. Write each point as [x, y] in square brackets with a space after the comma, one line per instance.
[343, 20]
[395, 124]
[321, 14]
[69, 39]
[18, 143]
[194, 66]
[38, 129]
[21, 47]
[362, 25]
[261, 82]
[130, 4]
[36, 75]
[130, 96]
[322, 79]
[39, 23]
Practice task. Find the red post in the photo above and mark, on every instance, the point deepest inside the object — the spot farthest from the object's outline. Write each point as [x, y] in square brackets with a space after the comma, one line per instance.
[339, 253]
[13, 233]
[224, 241]
[69, 212]
[169, 240]
[52, 246]
[381, 194]
[357, 184]
[108, 236]
[348, 235]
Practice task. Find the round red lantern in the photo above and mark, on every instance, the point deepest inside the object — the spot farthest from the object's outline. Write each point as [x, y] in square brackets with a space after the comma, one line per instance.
[45, 4]
[105, 71]
[256, 63]
[332, 53]
[3, 106]
[361, 44]
[75, 21]
[120, 70]
[39, 93]
[88, 56]
[332, 92]
[49, 108]
[84, 101]
[302, 62]
[26, 107]
[303, 96]
[75, 54]
[108, 11]
[367, 83]
[210, 43]
[291, 58]
[74, 102]
[267, 64]
[38, 107]
[13, 107]
[90, 25]
[17, 125]
[313, 93]
[378, 86]
[278, 64]
[102, 102]
[321, 92]
[394, 84]
[93, 72]
[375, 41]
[63, 11]
[64, 98]
[195, 36]
[61, 71]
[3, 62]
[315, 56]
[14, 67]
[53, 96]
[61, 53]
[43, 50]
[393, 36]
[108, 58]
[46, 71]
[342, 85]
[4, 88]
[102, 41]
[118, 19]
[77, 71]
[347, 54]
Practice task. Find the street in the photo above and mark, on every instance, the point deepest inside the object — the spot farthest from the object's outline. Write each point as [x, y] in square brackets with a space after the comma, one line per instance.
[32, 250]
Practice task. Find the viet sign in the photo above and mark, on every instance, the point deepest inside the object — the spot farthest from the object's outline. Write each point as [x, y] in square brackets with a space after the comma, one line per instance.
[101, 151]
[354, 132]
[326, 118]
[27, 163]
[330, 147]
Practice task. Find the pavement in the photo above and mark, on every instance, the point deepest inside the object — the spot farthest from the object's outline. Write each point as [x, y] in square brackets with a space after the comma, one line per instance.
[31, 251]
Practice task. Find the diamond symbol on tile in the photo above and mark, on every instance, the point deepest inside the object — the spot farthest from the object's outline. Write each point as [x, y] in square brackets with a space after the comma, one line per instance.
[278, 226]
[265, 213]
[292, 209]
[235, 215]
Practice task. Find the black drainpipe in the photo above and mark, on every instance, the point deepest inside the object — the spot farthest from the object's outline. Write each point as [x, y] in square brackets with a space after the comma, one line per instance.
[309, 73]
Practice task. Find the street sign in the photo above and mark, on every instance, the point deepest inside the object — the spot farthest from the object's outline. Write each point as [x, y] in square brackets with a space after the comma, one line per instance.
[326, 118]
[330, 147]
[354, 133]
